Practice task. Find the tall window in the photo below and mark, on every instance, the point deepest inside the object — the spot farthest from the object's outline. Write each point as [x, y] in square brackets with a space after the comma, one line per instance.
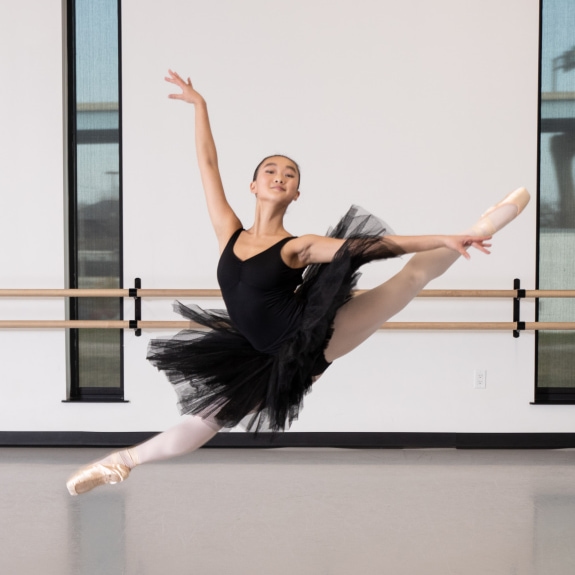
[555, 349]
[95, 194]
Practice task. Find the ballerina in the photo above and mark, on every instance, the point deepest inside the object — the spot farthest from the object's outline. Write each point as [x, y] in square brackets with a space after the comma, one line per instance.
[290, 311]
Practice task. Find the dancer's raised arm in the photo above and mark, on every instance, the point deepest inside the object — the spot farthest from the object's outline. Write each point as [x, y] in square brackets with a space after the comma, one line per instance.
[224, 219]
[311, 249]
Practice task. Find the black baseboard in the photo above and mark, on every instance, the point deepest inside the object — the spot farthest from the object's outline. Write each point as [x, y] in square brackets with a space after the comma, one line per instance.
[294, 439]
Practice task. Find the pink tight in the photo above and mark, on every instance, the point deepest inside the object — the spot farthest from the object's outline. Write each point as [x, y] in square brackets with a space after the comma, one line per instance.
[186, 436]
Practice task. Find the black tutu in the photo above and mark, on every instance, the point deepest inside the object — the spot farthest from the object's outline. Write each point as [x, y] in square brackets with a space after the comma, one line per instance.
[216, 372]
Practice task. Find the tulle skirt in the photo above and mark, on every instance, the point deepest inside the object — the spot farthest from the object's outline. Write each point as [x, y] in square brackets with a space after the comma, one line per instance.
[217, 373]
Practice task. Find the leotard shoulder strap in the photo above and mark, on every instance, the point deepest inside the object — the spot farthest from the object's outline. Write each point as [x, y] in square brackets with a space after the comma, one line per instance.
[233, 238]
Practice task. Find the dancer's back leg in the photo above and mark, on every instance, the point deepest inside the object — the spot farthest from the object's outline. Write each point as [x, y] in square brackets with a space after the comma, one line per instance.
[363, 315]
[190, 434]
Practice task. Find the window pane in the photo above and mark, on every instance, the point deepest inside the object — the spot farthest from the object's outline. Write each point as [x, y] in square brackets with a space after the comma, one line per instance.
[96, 206]
[556, 357]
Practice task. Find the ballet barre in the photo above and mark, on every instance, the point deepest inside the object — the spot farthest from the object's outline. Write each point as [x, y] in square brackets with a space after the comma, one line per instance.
[137, 324]
[111, 293]
[215, 293]
[390, 325]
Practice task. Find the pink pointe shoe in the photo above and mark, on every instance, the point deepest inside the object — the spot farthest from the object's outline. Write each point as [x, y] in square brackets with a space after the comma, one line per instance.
[95, 474]
[491, 222]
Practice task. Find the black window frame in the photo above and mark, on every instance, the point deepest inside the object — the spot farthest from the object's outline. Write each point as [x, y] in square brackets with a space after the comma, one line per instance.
[76, 137]
[548, 394]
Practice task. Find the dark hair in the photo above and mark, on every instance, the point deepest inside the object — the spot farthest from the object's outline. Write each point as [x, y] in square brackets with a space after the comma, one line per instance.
[278, 156]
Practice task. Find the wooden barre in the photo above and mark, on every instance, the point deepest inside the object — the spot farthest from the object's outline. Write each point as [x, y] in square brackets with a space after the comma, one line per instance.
[68, 323]
[215, 293]
[501, 293]
[399, 325]
[113, 293]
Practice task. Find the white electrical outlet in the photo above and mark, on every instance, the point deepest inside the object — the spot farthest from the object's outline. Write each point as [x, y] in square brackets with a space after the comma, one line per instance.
[480, 379]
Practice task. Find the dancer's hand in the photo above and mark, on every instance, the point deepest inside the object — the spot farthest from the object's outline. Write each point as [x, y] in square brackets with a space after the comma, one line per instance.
[461, 243]
[188, 93]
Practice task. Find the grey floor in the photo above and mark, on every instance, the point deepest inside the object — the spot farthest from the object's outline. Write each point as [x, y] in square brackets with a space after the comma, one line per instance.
[293, 511]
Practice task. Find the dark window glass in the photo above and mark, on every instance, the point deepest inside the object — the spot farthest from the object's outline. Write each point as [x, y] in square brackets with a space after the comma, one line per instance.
[556, 264]
[95, 208]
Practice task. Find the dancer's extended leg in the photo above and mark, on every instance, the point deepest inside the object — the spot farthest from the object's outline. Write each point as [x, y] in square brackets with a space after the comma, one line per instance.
[364, 314]
[187, 436]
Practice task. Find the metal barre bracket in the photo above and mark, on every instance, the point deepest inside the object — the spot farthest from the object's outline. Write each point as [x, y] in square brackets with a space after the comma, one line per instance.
[133, 292]
[520, 294]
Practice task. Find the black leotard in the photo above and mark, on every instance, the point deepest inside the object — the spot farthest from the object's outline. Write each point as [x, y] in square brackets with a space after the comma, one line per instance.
[259, 294]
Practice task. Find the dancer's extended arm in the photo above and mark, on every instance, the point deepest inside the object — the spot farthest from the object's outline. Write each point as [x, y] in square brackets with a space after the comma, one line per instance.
[223, 218]
[311, 249]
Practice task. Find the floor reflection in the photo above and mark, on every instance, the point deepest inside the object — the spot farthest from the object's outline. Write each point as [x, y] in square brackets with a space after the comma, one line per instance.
[554, 534]
[97, 528]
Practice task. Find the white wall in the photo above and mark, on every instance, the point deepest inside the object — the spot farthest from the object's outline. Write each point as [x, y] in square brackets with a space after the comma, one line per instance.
[33, 373]
[423, 112]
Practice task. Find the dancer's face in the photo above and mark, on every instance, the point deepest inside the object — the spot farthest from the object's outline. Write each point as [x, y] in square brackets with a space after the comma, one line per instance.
[277, 179]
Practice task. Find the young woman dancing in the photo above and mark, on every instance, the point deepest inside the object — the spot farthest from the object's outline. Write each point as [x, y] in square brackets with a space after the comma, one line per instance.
[290, 313]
